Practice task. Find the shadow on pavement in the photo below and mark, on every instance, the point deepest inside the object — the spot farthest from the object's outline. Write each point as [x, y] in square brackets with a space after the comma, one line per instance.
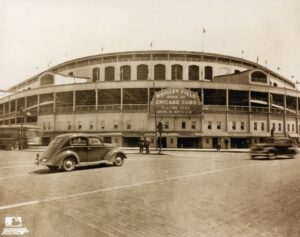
[44, 171]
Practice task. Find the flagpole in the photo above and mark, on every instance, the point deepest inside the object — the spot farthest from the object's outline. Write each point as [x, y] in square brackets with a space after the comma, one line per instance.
[154, 107]
[203, 32]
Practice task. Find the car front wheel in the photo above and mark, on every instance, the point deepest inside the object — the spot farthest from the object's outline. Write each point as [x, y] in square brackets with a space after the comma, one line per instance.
[69, 164]
[119, 160]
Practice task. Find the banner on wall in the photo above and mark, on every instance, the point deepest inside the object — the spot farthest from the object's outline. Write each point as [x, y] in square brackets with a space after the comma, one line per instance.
[175, 102]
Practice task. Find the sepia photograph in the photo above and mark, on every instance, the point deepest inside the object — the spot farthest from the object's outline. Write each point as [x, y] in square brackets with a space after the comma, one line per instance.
[150, 118]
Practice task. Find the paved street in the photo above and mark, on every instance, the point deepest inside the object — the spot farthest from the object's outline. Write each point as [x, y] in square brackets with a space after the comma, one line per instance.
[176, 194]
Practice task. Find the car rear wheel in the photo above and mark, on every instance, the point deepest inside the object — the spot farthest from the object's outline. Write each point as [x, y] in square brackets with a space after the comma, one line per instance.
[69, 164]
[119, 160]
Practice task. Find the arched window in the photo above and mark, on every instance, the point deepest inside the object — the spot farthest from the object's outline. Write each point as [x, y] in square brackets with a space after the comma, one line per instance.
[237, 71]
[96, 74]
[142, 72]
[125, 73]
[176, 72]
[193, 73]
[208, 73]
[47, 79]
[71, 74]
[159, 72]
[258, 77]
[109, 73]
[275, 84]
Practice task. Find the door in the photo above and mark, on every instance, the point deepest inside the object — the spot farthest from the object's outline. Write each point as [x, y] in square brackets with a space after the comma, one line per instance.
[79, 145]
[96, 149]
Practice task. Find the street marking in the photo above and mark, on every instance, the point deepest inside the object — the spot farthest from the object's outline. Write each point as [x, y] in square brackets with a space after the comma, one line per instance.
[10, 162]
[13, 176]
[126, 186]
[15, 166]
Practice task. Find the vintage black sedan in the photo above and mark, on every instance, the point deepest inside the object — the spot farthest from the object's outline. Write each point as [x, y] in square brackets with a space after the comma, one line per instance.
[273, 148]
[70, 150]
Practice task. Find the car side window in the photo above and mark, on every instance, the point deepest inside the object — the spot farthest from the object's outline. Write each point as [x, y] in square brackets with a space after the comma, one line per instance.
[78, 141]
[94, 141]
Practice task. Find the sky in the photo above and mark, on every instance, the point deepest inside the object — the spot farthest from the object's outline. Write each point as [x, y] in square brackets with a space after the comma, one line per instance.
[36, 34]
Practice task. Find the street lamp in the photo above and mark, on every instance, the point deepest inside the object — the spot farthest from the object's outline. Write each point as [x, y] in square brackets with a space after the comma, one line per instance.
[23, 115]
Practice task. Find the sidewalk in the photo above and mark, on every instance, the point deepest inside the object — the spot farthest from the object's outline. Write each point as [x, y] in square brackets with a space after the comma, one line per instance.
[153, 150]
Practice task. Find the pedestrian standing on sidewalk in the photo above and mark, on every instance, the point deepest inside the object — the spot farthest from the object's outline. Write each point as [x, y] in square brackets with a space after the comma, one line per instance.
[219, 144]
[146, 144]
[141, 143]
[226, 143]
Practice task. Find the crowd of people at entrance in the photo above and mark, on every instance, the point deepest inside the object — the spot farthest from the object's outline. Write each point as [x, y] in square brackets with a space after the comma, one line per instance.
[219, 141]
[144, 142]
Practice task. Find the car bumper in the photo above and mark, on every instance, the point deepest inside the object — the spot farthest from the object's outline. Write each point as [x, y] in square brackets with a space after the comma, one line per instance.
[259, 154]
[42, 162]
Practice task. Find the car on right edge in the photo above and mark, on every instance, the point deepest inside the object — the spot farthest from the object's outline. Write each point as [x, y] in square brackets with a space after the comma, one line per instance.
[273, 148]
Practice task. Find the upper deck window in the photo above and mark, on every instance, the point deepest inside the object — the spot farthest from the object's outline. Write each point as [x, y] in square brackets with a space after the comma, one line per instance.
[47, 79]
[159, 72]
[96, 74]
[259, 77]
[109, 73]
[142, 72]
[177, 72]
[193, 72]
[208, 73]
[125, 73]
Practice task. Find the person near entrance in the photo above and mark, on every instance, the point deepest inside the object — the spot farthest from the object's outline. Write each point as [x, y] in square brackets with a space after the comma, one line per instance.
[219, 144]
[146, 144]
[141, 144]
[226, 143]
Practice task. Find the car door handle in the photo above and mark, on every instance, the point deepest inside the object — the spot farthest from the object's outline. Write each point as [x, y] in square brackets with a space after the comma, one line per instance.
[89, 148]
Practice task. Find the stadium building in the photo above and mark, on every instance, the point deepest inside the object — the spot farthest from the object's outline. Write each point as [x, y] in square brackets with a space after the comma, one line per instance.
[200, 97]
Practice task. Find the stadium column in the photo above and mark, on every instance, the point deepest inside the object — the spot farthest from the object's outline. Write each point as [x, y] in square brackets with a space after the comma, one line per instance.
[16, 106]
[38, 104]
[297, 110]
[25, 106]
[202, 115]
[121, 107]
[284, 115]
[269, 110]
[249, 110]
[9, 109]
[74, 100]
[227, 107]
[54, 112]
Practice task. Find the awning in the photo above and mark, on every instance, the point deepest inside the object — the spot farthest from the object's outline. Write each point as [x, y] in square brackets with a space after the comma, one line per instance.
[110, 134]
[294, 135]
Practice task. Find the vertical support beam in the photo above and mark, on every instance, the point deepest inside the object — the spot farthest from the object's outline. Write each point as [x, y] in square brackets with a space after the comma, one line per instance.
[74, 100]
[16, 110]
[227, 110]
[38, 104]
[284, 115]
[148, 101]
[96, 97]
[54, 112]
[250, 109]
[297, 111]
[25, 106]
[121, 105]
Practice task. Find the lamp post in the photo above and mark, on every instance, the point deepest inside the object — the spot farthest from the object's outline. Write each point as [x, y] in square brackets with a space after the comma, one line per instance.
[22, 121]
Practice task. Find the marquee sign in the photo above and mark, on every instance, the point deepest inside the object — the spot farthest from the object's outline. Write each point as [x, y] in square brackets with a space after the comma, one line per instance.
[175, 102]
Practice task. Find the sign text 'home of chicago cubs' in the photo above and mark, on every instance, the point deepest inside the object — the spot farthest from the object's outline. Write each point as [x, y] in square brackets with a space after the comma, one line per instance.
[175, 102]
